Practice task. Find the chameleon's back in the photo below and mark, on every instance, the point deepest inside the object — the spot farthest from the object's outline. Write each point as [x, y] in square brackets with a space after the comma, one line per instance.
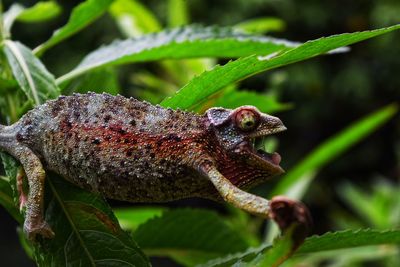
[123, 148]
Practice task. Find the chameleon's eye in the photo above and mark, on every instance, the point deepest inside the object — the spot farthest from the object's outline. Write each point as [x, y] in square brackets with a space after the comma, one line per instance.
[246, 120]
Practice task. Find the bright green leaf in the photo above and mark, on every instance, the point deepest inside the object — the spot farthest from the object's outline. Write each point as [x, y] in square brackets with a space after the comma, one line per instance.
[177, 13]
[210, 82]
[81, 16]
[133, 18]
[178, 43]
[261, 25]
[32, 76]
[41, 11]
[131, 218]
[265, 103]
[189, 236]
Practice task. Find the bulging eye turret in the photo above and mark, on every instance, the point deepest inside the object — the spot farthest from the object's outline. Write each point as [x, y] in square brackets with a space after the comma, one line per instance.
[247, 120]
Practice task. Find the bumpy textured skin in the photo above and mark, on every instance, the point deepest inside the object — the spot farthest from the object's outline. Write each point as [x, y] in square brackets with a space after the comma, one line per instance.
[127, 149]
[130, 150]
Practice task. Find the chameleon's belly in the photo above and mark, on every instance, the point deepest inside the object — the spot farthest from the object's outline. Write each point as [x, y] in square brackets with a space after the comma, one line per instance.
[129, 173]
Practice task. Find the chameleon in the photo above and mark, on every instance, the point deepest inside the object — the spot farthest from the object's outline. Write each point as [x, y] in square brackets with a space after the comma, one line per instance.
[130, 150]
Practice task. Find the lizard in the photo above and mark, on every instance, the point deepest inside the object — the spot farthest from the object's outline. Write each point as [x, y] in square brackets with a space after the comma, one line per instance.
[130, 150]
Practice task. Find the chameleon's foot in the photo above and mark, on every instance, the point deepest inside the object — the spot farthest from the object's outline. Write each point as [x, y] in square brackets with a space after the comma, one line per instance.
[32, 230]
[286, 212]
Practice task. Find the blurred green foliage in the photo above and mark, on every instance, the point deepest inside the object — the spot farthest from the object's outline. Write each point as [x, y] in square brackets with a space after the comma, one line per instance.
[347, 188]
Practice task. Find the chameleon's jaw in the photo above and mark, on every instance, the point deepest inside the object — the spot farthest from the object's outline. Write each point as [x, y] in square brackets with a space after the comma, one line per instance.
[268, 161]
[260, 159]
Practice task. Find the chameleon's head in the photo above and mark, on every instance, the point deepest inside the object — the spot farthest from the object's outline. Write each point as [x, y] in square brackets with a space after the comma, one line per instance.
[240, 129]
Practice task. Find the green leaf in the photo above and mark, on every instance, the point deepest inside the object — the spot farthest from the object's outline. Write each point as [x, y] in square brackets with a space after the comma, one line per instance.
[6, 199]
[261, 25]
[81, 16]
[99, 81]
[11, 166]
[133, 18]
[177, 13]
[190, 41]
[131, 218]
[8, 19]
[265, 255]
[376, 207]
[331, 149]
[41, 11]
[241, 259]
[87, 233]
[188, 236]
[151, 87]
[210, 82]
[32, 76]
[265, 103]
[278, 253]
[349, 239]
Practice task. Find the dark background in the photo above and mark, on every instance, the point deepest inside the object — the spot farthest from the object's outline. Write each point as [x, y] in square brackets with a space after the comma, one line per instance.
[328, 93]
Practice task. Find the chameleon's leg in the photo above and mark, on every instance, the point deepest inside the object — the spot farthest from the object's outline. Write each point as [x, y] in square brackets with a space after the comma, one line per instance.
[34, 221]
[282, 210]
[235, 196]
[20, 188]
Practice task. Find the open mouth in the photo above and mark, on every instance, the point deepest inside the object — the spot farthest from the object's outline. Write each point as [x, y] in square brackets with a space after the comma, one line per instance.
[255, 150]
[256, 146]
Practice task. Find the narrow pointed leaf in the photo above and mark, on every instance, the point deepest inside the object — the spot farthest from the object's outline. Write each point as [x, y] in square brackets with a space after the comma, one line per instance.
[177, 13]
[265, 103]
[41, 11]
[210, 82]
[32, 76]
[81, 16]
[184, 42]
[133, 18]
[261, 25]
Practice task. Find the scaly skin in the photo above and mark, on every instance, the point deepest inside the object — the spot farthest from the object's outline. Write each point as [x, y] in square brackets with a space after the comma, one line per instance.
[130, 150]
